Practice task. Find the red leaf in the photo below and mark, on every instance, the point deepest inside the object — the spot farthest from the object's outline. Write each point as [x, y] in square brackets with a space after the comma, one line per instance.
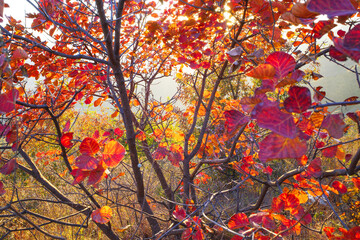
[160, 153]
[97, 174]
[332, 8]
[119, 132]
[319, 95]
[79, 175]
[248, 103]
[238, 220]
[2, 190]
[96, 134]
[275, 146]
[263, 71]
[102, 215]
[354, 55]
[290, 201]
[277, 205]
[86, 162]
[234, 119]
[66, 140]
[269, 115]
[340, 187]
[334, 124]
[299, 99]
[19, 53]
[334, 53]
[9, 167]
[4, 130]
[322, 27]
[113, 153]
[314, 168]
[89, 146]
[7, 100]
[329, 152]
[179, 213]
[67, 126]
[175, 155]
[352, 39]
[356, 182]
[283, 62]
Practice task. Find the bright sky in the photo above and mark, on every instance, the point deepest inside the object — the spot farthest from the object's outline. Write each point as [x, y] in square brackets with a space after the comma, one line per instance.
[18, 9]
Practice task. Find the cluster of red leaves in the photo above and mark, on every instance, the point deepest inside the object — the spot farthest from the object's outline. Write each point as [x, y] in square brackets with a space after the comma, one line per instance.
[89, 164]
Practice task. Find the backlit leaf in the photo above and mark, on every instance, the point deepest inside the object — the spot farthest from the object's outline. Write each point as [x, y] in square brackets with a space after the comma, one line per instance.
[175, 155]
[322, 27]
[314, 168]
[334, 53]
[339, 45]
[300, 10]
[89, 146]
[113, 153]
[332, 8]
[66, 139]
[7, 100]
[269, 115]
[352, 39]
[19, 53]
[79, 175]
[334, 124]
[340, 187]
[283, 63]
[86, 162]
[299, 99]
[102, 215]
[9, 167]
[179, 213]
[238, 220]
[160, 153]
[96, 175]
[263, 71]
[234, 119]
[318, 94]
[275, 146]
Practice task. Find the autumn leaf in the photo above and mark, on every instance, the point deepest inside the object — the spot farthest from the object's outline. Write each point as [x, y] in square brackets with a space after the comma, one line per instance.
[334, 124]
[269, 115]
[340, 187]
[9, 167]
[329, 152]
[356, 182]
[263, 71]
[4, 129]
[322, 27]
[79, 175]
[352, 39]
[283, 63]
[66, 140]
[179, 213]
[314, 168]
[89, 146]
[160, 153]
[332, 8]
[300, 10]
[96, 175]
[113, 153]
[175, 155]
[19, 53]
[234, 119]
[2, 190]
[299, 99]
[86, 162]
[102, 215]
[275, 146]
[238, 220]
[318, 94]
[336, 54]
[7, 100]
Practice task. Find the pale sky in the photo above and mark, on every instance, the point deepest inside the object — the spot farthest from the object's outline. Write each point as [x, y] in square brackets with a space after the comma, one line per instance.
[18, 9]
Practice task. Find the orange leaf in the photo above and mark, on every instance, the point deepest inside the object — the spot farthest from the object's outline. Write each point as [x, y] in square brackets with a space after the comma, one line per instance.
[340, 187]
[102, 215]
[263, 71]
[113, 153]
[238, 220]
[89, 146]
[356, 182]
